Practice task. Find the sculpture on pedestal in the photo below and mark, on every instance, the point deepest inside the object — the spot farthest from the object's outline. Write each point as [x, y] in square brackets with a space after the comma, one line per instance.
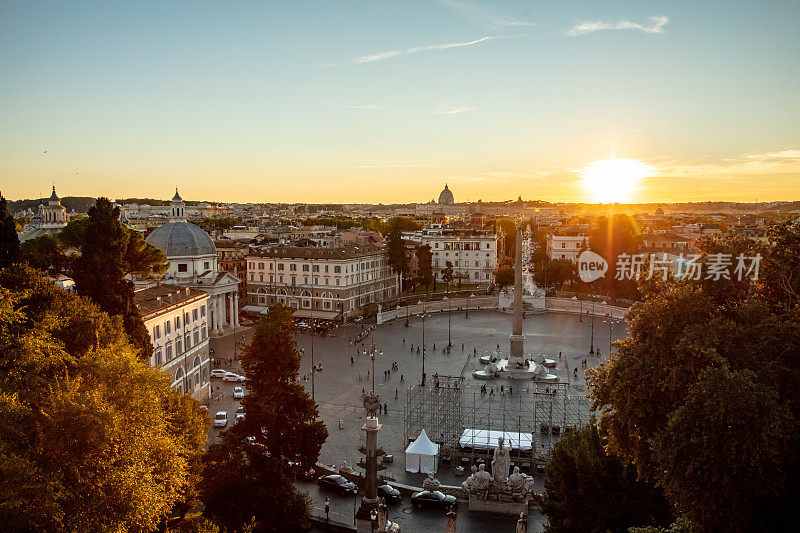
[501, 463]
[431, 483]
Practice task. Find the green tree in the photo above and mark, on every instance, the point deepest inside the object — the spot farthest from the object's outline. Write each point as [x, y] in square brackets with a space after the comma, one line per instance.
[9, 240]
[424, 265]
[99, 272]
[740, 435]
[587, 490]
[396, 251]
[91, 442]
[242, 485]
[45, 253]
[504, 276]
[611, 237]
[447, 273]
[508, 227]
[555, 273]
[246, 476]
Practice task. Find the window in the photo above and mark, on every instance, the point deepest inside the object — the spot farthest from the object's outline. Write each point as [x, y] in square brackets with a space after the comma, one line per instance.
[156, 332]
[305, 268]
[196, 337]
[252, 277]
[202, 310]
[280, 279]
[337, 269]
[203, 333]
[206, 265]
[293, 267]
[188, 341]
[261, 266]
[168, 350]
[252, 266]
[177, 322]
[305, 280]
[316, 281]
[183, 267]
[326, 269]
[315, 268]
[178, 347]
[280, 266]
[270, 266]
[260, 277]
[157, 358]
[186, 318]
[194, 314]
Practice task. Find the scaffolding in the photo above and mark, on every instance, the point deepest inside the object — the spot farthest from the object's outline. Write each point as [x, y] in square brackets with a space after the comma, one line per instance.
[545, 411]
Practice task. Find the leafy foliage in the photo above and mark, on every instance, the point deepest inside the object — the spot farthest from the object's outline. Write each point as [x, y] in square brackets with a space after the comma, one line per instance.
[45, 253]
[555, 273]
[703, 396]
[99, 272]
[91, 439]
[246, 475]
[424, 264]
[588, 490]
[504, 276]
[9, 241]
[611, 237]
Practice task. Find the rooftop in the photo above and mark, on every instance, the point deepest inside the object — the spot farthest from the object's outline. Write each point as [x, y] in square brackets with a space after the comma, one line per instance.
[163, 298]
[294, 252]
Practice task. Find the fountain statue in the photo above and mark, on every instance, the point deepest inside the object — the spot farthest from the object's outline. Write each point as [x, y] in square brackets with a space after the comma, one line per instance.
[501, 463]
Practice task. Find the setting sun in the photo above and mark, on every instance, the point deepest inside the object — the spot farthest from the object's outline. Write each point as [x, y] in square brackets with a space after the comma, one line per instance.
[614, 180]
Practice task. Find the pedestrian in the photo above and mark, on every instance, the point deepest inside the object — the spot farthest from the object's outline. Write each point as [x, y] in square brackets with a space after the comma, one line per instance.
[501, 389]
[401, 378]
[352, 361]
[559, 356]
[462, 346]
[395, 393]
[434, 345]
[404, 340]
[367, 374]
[491, 391]
[385, 409]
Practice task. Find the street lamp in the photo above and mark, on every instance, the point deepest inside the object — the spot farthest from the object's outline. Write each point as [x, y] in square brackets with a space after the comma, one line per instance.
[591, 349]
[423, 344]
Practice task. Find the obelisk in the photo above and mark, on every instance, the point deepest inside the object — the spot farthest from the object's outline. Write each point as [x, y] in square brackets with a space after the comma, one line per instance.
[517, 339]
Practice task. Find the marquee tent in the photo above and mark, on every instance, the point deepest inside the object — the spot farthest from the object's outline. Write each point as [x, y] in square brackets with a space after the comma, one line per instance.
[421, 455]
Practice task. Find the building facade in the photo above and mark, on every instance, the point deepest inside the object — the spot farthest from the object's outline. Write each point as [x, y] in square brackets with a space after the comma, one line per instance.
[178, 321]
[193, 262]
[473, 253]
[566, 246]
[330, 283]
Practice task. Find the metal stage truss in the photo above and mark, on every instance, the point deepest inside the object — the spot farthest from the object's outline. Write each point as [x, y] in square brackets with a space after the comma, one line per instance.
[546, 411]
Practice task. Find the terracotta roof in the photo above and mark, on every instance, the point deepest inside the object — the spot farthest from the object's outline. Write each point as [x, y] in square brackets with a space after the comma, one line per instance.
[293, 252]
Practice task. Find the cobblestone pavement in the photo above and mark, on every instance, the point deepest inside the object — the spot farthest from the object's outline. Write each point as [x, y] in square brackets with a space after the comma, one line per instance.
[337, 388]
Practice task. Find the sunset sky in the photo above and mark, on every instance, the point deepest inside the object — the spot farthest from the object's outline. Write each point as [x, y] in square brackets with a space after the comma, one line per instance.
[386, 101]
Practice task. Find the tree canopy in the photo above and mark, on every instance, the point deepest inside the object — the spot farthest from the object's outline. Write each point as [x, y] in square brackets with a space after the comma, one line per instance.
[703, 396]
[99, 271]
[92, 440]
[9, 241]
[424, 264]
[246, 476]
[504, 276]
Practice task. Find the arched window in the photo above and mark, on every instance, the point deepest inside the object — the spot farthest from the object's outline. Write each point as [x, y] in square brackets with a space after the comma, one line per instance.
[306, 297]
[179, 374]
[196, 362]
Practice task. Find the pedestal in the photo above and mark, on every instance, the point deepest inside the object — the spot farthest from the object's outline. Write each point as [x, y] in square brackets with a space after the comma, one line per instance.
[370, 501]
[517, 347]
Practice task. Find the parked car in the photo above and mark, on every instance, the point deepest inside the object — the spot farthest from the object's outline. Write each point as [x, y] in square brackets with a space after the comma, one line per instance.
[432, 498]
[391, 494]
[218, 373]
[221, 419]
[238, 416]
[338, 484]
[232, 377]
[238, 393]
[300, 472]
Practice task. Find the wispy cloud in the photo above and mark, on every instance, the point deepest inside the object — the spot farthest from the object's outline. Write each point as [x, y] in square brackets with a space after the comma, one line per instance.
[452, 111]
[745, 166]
[658, 23]
[379, 165]
[477, 12]
[389, 54]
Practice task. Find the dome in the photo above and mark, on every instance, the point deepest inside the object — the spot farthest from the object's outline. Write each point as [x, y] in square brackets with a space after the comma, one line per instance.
[446, 197]
[182, 239]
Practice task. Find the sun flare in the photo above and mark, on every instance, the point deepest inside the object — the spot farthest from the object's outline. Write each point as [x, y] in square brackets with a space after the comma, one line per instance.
[614, 180]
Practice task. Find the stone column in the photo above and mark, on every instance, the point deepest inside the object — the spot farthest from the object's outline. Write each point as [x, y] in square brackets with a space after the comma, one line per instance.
[231, 309]
[220, 314]
[370, 464]
[517, 339]
[236, 308]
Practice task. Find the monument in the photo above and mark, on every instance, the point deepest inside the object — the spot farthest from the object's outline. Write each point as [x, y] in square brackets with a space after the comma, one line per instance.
[370, 501]
[517, 339]
[499, 492]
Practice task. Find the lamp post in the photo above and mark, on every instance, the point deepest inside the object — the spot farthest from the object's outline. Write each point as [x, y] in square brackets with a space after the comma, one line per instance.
[591, 349]
[313, 368]
[449, 344]
[580, 315]
[610, 333]
[423, 344]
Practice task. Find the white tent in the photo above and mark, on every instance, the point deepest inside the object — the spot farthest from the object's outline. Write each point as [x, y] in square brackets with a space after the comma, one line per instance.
[421, 455]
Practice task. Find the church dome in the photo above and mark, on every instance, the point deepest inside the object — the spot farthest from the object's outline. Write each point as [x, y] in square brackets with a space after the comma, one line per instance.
[182, 239]
[446, 197]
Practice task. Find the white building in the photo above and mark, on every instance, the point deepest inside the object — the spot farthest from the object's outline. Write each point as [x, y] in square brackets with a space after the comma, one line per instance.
[473, 253]
[192, 261]
[177, 319]
[566, 246]
[320, 282]
[48, 220]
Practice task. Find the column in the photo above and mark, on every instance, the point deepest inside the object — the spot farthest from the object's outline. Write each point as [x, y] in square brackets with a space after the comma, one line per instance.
[220, 320]
[230, 307]
[236, 307]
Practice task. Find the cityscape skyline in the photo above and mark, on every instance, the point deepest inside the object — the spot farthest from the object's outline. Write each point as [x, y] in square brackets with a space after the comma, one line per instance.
[335, 103]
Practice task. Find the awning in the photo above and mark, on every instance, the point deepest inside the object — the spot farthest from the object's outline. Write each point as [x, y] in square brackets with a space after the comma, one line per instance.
[256, 309]
[323, 315]
[484, 439]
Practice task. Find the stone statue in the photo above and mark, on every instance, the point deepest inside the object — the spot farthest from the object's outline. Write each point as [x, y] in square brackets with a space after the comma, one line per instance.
[501, 463]
[431, 483]
[522, 524]
[516, 481]
[452, 521]
[383, 516]
[480, 480]
[372, 403]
